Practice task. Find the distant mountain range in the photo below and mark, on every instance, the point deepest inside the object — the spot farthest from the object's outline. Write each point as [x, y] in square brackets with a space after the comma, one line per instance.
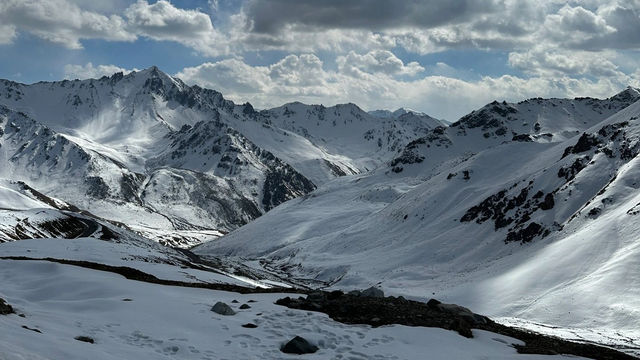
[181, 164]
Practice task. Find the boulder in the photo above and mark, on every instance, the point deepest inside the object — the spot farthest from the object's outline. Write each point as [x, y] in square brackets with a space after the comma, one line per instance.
[299, 346]
[5, 309]
[433, 304]
[85, 339]
[222, 309]
[244, 307]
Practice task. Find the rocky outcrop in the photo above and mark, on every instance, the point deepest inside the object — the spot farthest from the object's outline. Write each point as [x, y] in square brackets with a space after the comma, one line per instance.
[378, 311]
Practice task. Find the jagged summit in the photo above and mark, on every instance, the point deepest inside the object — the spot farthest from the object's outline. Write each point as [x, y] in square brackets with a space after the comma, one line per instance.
[396, 113]
[629, 94]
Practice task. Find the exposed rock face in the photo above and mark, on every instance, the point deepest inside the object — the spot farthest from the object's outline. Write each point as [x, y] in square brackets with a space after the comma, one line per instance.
[353, 308]
[282, 184]
[585, 143]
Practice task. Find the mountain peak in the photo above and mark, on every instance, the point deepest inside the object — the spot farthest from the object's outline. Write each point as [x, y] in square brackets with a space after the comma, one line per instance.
[387, 114]
[627, 95]
[402, 111]
[153, 71]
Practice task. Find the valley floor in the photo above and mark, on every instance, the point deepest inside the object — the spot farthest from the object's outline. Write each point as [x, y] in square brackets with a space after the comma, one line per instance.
[136, 320]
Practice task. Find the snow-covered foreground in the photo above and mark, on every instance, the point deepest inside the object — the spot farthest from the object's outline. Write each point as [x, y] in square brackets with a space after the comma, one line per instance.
[162, 322]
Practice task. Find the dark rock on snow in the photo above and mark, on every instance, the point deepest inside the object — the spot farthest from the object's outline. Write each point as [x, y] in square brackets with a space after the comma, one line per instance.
[222, 309]
[32, 329]
[5, 309]
[249, 325]
[354, 308]
[85, 339]
[351, 308]
[299, 346]
[244, 307]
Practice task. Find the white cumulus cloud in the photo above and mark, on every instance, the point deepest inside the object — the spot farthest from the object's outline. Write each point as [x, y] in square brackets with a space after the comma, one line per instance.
[307, 79]
[89, 71]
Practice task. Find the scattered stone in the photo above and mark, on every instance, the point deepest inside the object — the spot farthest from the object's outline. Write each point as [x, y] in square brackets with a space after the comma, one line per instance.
[127, 299]
[5, 309]
[251, 301]
[548, 202]
[250, 326]
[522, 138]
[32, 329]
[22, 315]
[85, 339]
[244, 307]
[234, 301]
[595, 212]
[222, 309]
[299, 346]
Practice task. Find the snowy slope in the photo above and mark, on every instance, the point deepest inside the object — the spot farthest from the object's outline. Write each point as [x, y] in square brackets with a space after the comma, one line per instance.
[349, 131]
[534, 226]
[131, 319]
[177, 163]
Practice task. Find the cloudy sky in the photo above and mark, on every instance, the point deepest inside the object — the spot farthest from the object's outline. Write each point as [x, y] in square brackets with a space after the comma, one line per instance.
[442, 57]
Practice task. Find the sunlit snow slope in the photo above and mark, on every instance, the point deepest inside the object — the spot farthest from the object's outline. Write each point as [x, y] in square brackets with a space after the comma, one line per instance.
[176, 163]
[523, 210]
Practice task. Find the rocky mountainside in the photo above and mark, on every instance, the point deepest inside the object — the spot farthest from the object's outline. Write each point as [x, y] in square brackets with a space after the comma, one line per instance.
[511, 210]
[176, 163]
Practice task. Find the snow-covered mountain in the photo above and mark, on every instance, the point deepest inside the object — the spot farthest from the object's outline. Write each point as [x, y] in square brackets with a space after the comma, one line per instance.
[513, 209]
[176, 163]
[407, 114]
[518, 210]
